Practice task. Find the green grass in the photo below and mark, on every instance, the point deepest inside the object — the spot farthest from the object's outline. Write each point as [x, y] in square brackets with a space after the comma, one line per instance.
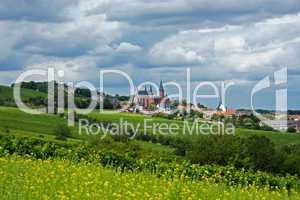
[278, 138]
[55, 179]
[14, 119]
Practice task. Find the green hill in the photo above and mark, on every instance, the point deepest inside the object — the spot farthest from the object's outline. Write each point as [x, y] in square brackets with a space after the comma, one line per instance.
[7, 98]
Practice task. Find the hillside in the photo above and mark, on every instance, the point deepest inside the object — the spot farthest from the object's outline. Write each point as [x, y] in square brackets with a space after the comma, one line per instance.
[6, 95]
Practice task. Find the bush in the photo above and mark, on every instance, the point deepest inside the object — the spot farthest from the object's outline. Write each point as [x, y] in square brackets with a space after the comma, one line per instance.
[253, 153]
[220, 150]
[62, 132]
[257, 153]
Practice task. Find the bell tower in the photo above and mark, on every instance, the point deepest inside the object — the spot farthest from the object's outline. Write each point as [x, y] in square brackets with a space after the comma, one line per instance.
[161, 90]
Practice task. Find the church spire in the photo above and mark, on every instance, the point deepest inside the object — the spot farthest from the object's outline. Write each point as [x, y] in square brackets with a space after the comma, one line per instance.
[161, 90]
[161, 87]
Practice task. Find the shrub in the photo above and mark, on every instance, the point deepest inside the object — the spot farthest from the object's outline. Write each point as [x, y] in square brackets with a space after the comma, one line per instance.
[62, 132]
[258, 153]
[214, 150]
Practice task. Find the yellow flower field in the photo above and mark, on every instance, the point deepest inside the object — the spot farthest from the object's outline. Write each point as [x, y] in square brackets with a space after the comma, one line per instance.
[36, 179]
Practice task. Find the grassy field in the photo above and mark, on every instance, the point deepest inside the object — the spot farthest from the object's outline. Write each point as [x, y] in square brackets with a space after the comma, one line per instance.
[55, 179]
[277, 137]
[14, 119]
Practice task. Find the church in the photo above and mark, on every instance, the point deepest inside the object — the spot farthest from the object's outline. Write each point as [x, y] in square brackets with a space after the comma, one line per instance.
[146, 99]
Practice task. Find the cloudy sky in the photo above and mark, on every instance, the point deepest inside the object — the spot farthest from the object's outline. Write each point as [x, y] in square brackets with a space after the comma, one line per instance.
[221, 40]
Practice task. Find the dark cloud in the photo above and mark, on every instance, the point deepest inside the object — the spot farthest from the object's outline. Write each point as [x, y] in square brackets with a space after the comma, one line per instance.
[37, 10]
[183, 12]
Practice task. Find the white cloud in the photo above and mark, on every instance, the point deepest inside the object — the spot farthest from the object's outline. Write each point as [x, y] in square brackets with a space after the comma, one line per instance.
[229, 44]
[244, 48]
[176, 56]
[126, 47]
[182, 48]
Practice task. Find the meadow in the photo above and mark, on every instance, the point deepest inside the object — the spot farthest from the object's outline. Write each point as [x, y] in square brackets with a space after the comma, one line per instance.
[23, 178]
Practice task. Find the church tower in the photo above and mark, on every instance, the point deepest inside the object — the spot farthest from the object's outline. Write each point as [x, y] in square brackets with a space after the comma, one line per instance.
[161, 90]
[221, 106]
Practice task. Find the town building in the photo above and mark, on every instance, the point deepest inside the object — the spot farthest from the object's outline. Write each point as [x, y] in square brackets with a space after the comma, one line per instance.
[294, 124]
[294, 117]
[221, 107]
[224, 111]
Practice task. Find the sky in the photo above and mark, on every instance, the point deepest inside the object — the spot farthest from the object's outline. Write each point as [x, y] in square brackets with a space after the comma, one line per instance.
[221, 40]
